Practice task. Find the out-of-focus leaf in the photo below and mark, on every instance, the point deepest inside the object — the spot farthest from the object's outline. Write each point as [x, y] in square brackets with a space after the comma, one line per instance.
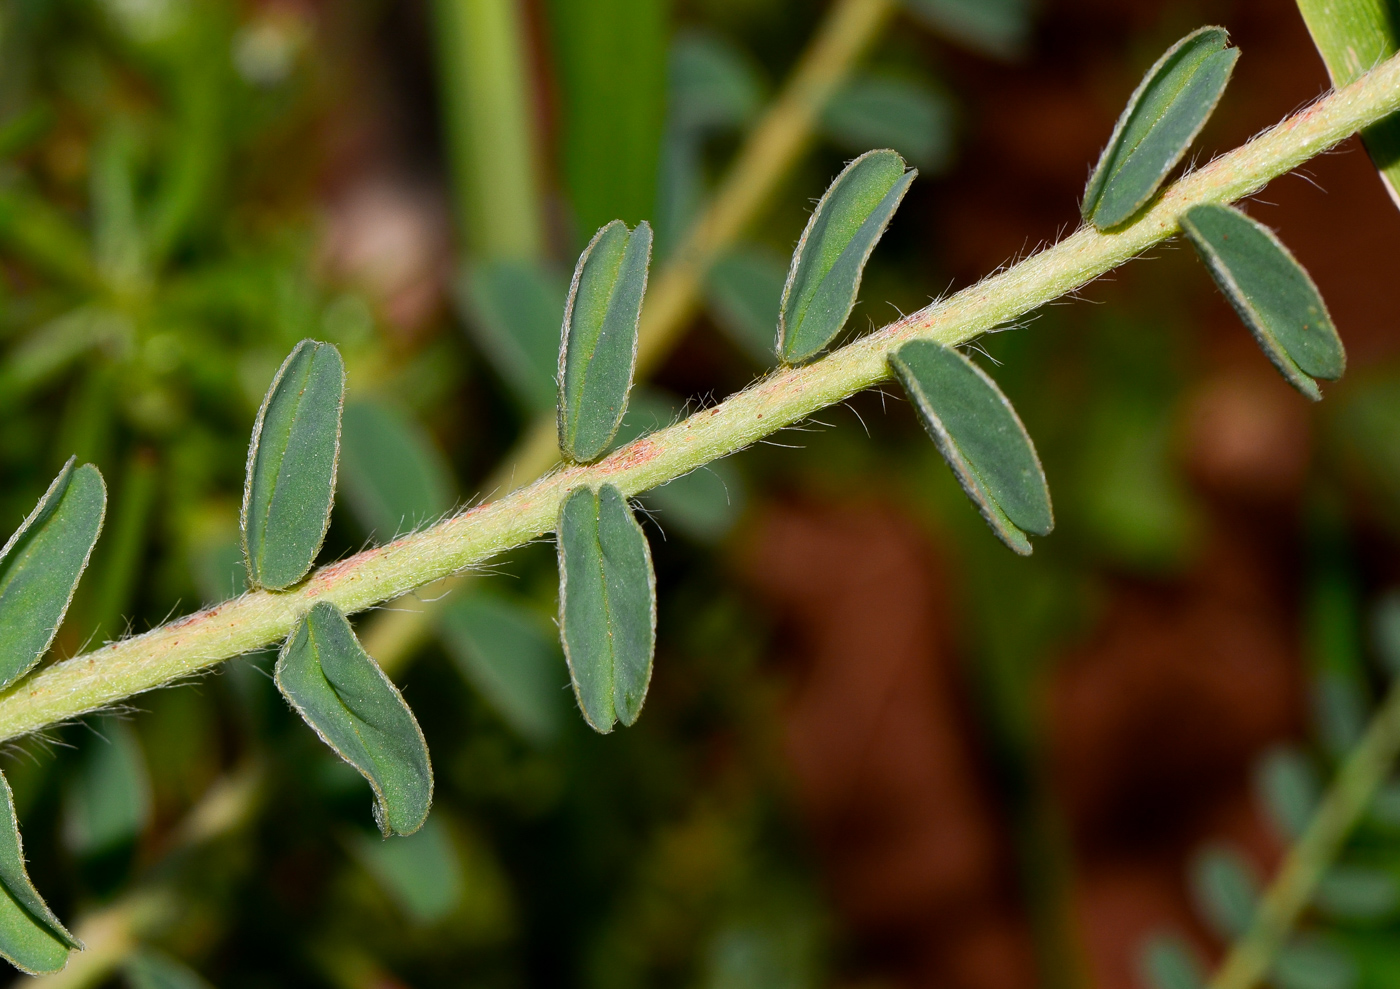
[513, 310]
[1168, 962]
[31, 937]
[607, 605]
[291, 466]
[24, 127]
[41, 564]
[1356, 892]
[422, 873]
[996, 27]
[744, 290]
[1353, 37]
[1271, 292]
[1162, 118]
[981, 437]
[1385, 808]
[612, 69]
[393, 475]
[44, 237]
[1339, 708]
[118, 240]
[712, 84]
[51, 348]
[119, 565]
[1386, 631]
[504, 650]
[877, 112]
[345, 697]
[1288, 785]
[108, 800]
[148, 969]
[1312, 963]
[824, 278]
[1226, 890]
[598, 351]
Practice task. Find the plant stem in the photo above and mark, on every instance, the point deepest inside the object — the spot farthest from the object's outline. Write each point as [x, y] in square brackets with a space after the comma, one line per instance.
[784, 398]
[1292, 890]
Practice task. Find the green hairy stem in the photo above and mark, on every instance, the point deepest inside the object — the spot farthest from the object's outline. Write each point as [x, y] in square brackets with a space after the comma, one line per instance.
[784, 398]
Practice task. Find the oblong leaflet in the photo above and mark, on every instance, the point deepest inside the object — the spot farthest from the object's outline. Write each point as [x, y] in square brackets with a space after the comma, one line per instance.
[598, 347]
[607, 605]
[1272, 293]
[981, 437]
[292, 463]
[345, 697]
[41, 564]
[1163, 117]
[824, 277]
[31, 937]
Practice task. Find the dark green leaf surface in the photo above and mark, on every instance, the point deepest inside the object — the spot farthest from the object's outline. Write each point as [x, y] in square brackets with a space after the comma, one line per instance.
[108, 800]
[981, 437]
[346, 698]
[996, 27]
[422, 873]
[391, 473]
[1163, 116]
[712, 84]
[744, 290]
[512, 309]
[1353, 37]
[1290, 789]
[31, 937]
[598, 351]
[504, 650]
[879, 112]
[1271, 292]
[1356, 892]
[1226, 890]
[148, 969]
[1169, 963]
[41, 564]
[824, 278]
[607, 605]
[1312, 963]
[291, 466]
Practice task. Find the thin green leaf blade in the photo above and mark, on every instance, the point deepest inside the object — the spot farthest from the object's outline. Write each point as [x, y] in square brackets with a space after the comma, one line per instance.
[291, 466]
[1271, 292]
[824, 278]
[1353, 37]
[41, 564]
[393, 476]
[598, 350]
[344, 696]
[1162, 118]
[981, 437]
[607, 605]
[31, 938]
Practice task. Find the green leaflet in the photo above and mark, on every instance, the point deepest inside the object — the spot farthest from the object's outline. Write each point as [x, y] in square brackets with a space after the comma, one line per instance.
[147, 969]
[997, 27]
[1167, 962]
[1226, 890]
[1162, 118]
[981, 437]
[824, 278]
[1312, 962]
[421, 873]
[31, 937]
[345, 697]
[607, 605]
[392, 474]
[743, 291]
[1353, 37]
[1290, 790]
[1271, 292]
[887, 112]
[291, 466]
[108, 801]
[598, 350]
[512, 309]
[506, 653]
[41, 564]
[1357, 893]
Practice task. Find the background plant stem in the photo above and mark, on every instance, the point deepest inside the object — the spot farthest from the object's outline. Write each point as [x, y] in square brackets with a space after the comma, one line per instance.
[784, 398]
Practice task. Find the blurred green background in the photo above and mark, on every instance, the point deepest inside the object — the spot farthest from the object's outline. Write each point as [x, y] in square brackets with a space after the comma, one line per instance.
[879, 750]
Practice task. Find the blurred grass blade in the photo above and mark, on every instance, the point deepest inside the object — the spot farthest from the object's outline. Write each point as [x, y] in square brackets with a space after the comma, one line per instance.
[506, 652]
[824, 278]
[118, 240]
[512, 309]
[108, 800]
[1271, 292]
[878, 112]
[148, 969]
[1312, 963]
[1386, 631]
[1226, 890]
[1289, 789]
[422, 873]
[44, 237]
[607, 605]
[52, 348]
[611, 59]
[1357, 893]
[598, 350]
[1162, 118]
[41, 564]
[120, 563]
[392, 474]
[981, 437]
[1353, 37]
[743, 291]
[996, 27]
[1167, 962]
[31, 937]
[291, 466]
[344, 696]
